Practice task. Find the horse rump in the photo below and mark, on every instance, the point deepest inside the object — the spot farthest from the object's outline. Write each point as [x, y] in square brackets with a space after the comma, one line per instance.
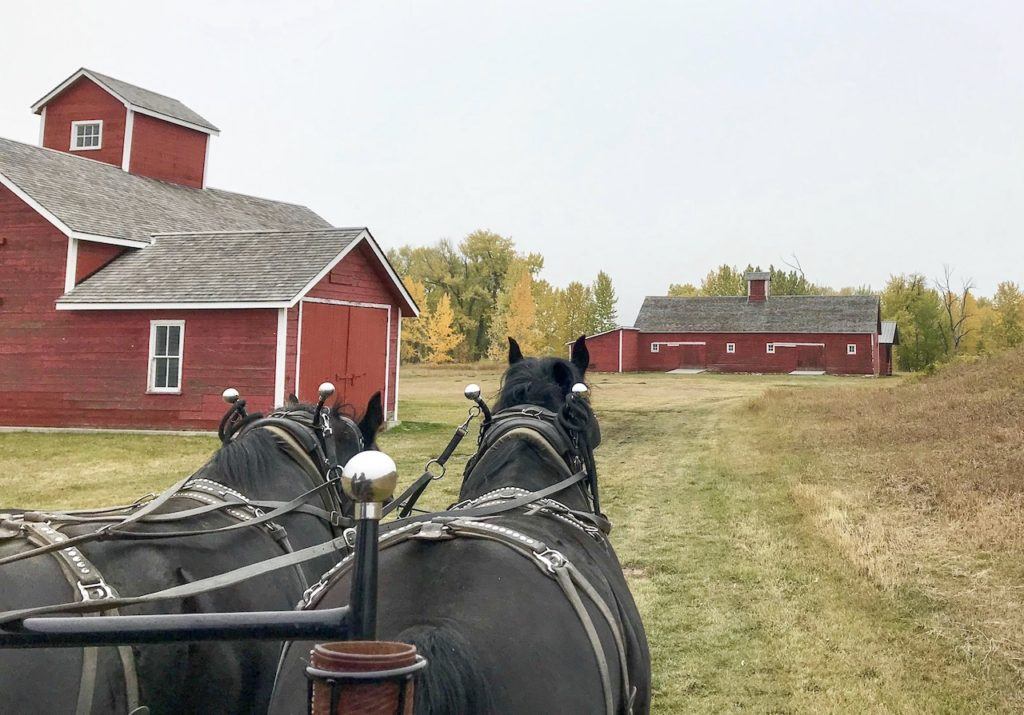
[453, 681]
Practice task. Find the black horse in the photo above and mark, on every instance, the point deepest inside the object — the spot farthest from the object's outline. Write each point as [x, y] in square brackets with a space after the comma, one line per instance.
[182, 677]
[500, 633]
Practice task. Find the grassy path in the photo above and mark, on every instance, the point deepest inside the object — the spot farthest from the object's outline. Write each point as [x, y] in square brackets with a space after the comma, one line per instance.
[747, 607]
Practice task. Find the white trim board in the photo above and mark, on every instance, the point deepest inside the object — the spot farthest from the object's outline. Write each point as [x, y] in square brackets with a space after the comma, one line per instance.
[126, 147]
[280, 356]
[798, 345]
[71, 267]
[108, 430]
[168, 306]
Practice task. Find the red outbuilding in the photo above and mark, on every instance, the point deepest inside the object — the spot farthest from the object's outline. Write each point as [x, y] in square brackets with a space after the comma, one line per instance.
[131, 294]
[753, 333]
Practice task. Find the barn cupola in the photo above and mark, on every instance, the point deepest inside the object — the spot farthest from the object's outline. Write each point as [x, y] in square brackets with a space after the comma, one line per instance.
[145, 133]
[758, 286]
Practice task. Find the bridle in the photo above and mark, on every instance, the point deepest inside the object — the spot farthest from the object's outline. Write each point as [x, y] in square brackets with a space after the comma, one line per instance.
[572, 433]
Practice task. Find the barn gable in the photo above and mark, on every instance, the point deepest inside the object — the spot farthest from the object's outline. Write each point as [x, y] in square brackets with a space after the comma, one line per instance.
[133, 295]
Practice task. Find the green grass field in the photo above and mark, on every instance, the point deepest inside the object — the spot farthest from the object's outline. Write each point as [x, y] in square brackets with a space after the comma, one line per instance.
[749, 605]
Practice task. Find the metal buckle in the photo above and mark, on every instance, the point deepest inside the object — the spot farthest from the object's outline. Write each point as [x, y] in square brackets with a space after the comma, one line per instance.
[432, 531]
[98, 591]
[350, 537]
[552, 560]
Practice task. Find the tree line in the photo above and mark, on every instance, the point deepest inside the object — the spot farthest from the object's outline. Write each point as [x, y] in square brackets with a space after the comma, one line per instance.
[939, 318]
[474, 294]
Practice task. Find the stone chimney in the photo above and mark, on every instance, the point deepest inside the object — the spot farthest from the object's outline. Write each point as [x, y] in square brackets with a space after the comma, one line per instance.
[758, 283]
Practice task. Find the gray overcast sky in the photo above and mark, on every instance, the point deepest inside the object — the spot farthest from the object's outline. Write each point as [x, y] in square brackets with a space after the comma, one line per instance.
[651, 140]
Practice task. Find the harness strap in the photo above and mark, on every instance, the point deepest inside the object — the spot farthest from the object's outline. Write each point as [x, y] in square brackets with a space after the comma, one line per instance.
[193, 588]
[88, 584]
[565, 580]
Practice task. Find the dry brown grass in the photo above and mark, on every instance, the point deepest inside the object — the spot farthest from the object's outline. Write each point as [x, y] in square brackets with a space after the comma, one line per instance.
[920, 485]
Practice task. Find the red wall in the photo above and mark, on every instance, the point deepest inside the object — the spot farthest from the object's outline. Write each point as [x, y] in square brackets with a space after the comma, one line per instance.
[604, 352]
[162, 150]
[92, 256]
[357, 278]
[750, 355]
[89, 368]
[84, 100]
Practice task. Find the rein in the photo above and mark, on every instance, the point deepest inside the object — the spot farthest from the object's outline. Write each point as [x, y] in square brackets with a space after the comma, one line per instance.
[299, 444]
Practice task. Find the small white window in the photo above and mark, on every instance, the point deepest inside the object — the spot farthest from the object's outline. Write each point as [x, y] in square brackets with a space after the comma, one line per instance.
[851, 349]
[730, 348]
[87, 135]
[770, 348]
[655, 347]
[166, 346]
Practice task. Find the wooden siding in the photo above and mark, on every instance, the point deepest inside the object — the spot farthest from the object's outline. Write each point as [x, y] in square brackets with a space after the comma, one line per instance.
[89, 368]
[604, 352]
[752, 356]
[81, 101]
[162, 150]
[358, 279]
[93, 256]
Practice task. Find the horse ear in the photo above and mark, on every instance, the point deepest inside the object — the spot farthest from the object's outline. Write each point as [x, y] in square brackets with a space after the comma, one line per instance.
[514, 353]
[372, 420]
[563, 375]
[580, 354]
[292, 399]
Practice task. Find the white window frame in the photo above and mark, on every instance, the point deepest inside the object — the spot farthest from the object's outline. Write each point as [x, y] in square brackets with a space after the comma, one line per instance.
[851, 348]
[74, 135]
[655, 347]
[769, 348]
[730, 348]
[151, 372]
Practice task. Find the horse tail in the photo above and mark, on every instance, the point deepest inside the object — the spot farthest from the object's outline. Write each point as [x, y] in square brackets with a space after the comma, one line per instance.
[453, 681]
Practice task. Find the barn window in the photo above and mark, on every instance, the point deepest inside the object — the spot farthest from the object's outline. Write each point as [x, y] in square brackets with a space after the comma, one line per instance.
[655, 347]
[166, 346]
[730, 348]
[87, 135]
[770, 348]
[851, 349]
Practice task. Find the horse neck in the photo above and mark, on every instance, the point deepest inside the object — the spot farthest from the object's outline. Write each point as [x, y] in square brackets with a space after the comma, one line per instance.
[523, 467]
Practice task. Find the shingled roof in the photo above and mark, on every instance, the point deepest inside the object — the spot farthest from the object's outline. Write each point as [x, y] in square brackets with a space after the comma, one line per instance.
[136, 98]
[778, 314]
[103, 201]
[242, 267]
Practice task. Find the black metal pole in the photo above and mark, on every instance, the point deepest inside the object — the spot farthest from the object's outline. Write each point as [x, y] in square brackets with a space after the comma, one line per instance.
[68, 632]
[363, 598]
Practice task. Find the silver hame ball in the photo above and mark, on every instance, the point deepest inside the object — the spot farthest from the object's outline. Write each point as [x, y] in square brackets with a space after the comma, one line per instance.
[369, 476]
[472, 391]
[326, 389]
[230, 395]
[581, 390]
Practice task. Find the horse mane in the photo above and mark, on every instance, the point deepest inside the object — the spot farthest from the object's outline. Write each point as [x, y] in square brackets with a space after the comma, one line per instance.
[246, 462]
[534, 381]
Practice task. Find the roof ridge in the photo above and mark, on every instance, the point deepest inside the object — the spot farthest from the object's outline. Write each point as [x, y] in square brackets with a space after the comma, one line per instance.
[130, 84]
[262, 230]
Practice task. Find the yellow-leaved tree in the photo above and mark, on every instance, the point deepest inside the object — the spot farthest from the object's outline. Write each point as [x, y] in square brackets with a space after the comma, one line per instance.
[414, 331]
[441, 338]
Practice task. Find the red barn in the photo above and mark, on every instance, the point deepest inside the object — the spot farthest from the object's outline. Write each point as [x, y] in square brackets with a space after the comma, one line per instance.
[755, 333]
[131, 294]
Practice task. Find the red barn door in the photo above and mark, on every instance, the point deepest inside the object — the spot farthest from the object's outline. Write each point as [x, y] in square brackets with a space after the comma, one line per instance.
[346, 345]
[693, 356]
[810, 357]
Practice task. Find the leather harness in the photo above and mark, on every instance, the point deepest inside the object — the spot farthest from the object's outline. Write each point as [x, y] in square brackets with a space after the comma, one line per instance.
[42, 530]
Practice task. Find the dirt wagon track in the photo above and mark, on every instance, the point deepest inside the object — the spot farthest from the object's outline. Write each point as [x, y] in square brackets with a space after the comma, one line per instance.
[747, 606]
